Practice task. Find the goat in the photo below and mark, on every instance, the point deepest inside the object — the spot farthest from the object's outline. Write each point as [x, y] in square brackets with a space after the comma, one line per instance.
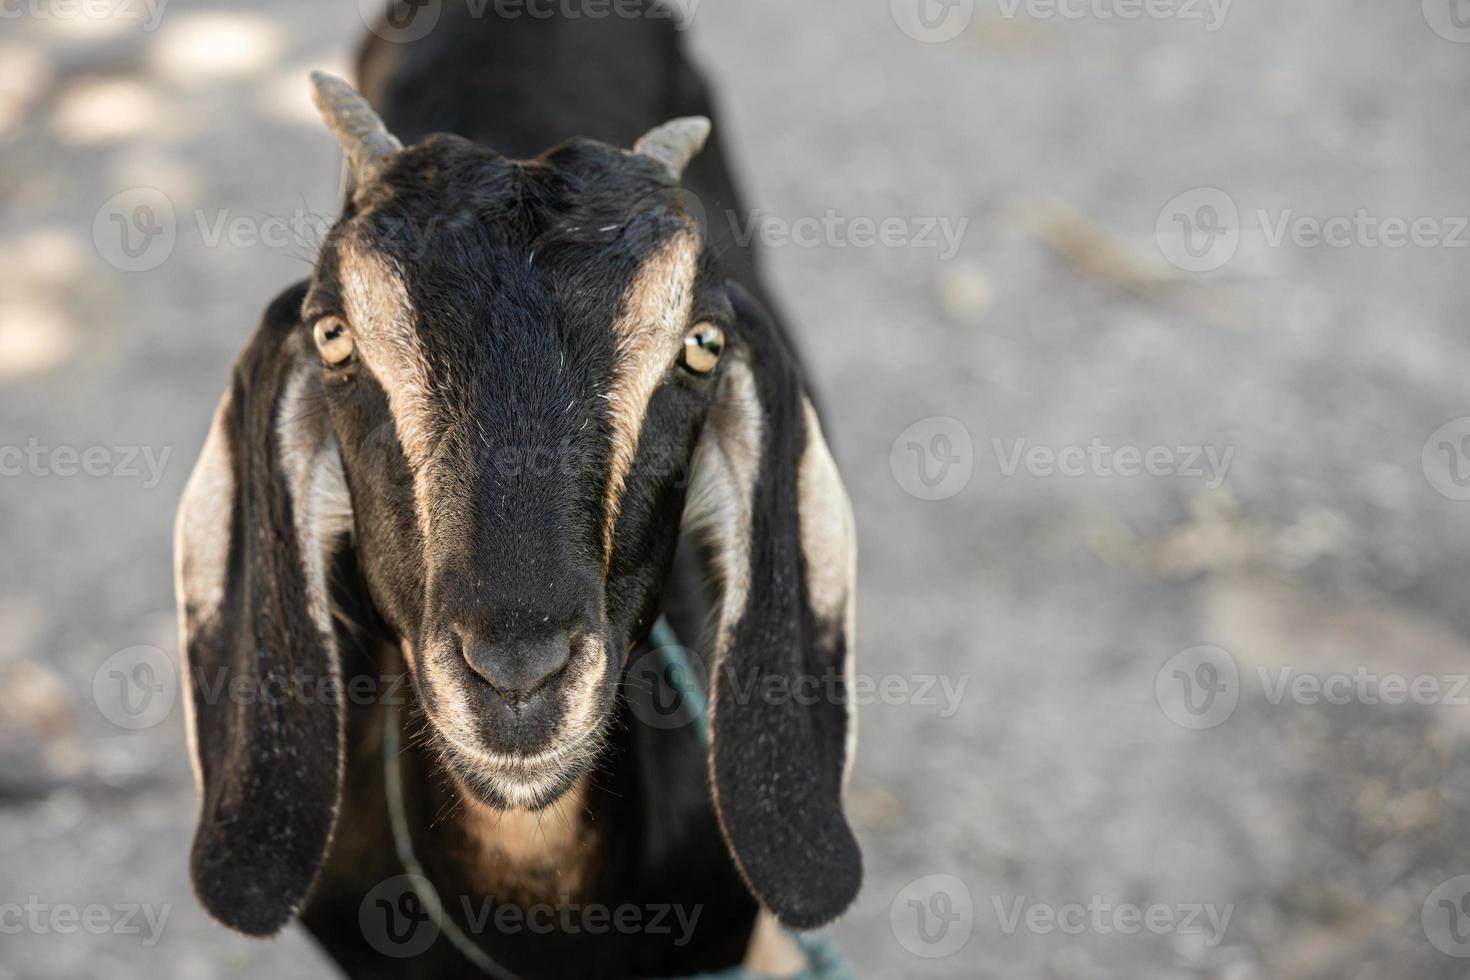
[365, 510]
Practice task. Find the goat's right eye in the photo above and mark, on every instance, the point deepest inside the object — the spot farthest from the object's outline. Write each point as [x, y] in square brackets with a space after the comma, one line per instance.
[333, 339]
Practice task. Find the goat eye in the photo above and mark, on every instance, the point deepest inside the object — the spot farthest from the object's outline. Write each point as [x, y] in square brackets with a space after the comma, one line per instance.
[702, 347]
[333, 339]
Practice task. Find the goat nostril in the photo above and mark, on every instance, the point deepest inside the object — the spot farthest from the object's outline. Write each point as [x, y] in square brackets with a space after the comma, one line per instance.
[516, 669]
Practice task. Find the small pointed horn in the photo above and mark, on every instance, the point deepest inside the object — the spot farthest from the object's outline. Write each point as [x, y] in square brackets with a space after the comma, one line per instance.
[364, 138]
[674, 143]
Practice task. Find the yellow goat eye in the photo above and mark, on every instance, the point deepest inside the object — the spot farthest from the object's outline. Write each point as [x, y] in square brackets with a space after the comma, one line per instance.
[333, 339]
[703, 346]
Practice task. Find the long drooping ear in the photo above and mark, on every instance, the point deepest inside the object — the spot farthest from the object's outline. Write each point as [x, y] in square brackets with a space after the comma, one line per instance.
[769, 507]
[260, 517]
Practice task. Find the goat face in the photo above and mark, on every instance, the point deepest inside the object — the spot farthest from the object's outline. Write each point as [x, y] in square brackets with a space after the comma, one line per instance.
[502, 393]
[516, 374]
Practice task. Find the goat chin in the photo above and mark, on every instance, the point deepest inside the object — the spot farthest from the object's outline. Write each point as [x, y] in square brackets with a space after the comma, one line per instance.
[507, 783]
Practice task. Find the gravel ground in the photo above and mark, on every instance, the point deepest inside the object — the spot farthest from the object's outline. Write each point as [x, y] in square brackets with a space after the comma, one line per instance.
[1158, 525]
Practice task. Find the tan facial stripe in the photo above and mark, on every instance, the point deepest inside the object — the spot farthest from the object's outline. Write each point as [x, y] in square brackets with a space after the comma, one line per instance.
[650, 332]
[381, 316]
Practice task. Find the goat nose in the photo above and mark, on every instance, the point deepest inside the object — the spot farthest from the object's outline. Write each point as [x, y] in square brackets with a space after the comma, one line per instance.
[516, 669]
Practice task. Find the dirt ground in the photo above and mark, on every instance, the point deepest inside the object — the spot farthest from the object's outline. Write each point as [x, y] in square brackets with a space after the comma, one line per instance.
[1143, 339]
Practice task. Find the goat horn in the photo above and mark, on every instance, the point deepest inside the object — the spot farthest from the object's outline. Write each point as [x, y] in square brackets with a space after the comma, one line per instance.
[364, 138]
[674, 143]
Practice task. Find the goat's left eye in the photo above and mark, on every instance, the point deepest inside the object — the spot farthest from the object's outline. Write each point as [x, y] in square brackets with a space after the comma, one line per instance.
[703, 346]
[333, 339]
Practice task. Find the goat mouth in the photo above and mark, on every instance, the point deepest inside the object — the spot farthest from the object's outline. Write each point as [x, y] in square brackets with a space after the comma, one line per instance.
[517, 782]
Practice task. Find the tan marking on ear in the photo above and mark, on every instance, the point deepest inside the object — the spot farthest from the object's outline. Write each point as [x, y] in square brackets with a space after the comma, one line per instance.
[771, 952]
[201, 554]
[650, 333]
[312, 467]
[717, 508]
[829, 547]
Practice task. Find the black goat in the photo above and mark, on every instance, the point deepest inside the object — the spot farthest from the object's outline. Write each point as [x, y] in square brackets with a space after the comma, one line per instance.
[524, 405]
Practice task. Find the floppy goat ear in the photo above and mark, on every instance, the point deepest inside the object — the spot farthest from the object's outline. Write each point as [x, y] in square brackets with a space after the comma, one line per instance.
[260, 518]
[768, 505]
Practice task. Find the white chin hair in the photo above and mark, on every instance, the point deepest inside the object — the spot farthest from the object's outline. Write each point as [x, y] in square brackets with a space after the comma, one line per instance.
[505, 783]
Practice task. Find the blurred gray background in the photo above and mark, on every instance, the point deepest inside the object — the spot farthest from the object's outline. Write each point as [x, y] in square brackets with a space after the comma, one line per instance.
[1099, 670]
